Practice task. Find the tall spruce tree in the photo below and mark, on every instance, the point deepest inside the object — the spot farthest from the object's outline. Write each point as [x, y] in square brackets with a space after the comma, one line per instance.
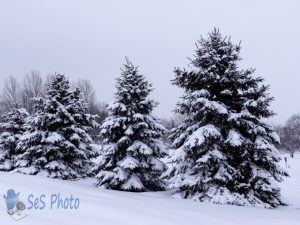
[225, 153]
[57, 143]
[132, 149]
[12, 129]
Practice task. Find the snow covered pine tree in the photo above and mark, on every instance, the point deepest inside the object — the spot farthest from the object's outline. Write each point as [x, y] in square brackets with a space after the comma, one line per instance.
[225, 153]
[132, 146]
[57, 143]
[12, 129]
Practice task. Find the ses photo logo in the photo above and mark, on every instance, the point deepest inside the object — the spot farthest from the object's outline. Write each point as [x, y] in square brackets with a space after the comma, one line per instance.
[17, 208]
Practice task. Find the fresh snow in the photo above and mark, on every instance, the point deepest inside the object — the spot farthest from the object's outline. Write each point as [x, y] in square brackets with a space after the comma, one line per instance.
[54, 137]
[235, 138]
[199, 136]
[99, 206]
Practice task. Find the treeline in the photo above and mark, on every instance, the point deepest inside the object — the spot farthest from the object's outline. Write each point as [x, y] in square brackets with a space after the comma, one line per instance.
[20, 93]
[290, 134]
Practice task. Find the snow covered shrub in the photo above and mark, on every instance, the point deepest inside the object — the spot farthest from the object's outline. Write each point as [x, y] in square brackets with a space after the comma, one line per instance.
[224, 153]
[12, 129]
[132, 145]
[57, 141]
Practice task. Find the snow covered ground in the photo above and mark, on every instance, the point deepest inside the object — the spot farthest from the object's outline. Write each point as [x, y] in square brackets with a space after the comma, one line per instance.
[105, 207]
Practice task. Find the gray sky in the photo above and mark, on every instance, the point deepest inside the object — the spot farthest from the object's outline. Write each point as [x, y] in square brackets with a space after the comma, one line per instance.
[89, 39]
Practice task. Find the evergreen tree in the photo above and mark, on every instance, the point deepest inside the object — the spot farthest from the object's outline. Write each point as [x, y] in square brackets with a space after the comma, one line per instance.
[132, 145]
[225, 153]
[12, 129]
[57, 143]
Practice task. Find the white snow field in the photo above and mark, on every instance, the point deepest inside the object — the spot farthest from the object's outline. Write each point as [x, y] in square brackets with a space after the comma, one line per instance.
[106, 207]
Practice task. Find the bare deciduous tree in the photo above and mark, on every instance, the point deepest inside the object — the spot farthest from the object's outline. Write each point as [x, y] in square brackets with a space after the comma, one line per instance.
[87, 92]
[290, 133]
[94, 107]
[89, 95]
[33, 87]
[11, 94]
[294, 122]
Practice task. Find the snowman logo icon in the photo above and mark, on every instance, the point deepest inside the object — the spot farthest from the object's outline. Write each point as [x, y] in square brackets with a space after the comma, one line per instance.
[15, 207]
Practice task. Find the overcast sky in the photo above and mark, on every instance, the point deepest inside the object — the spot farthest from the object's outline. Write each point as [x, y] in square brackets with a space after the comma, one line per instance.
[90, 38]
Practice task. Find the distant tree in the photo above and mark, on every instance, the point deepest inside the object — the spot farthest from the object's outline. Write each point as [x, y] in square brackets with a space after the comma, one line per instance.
[33, 87]
[290, 134]
[294, 122]
[101, 111]
[89, 95]
[87, 91]
[172, 122]
[11, 94]
[94, 107]
[130, 159]
[224, 152]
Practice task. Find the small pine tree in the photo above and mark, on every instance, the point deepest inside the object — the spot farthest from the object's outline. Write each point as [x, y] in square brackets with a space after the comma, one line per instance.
[224, 153]
[57, 143]
[12, 129]
[132, 145]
